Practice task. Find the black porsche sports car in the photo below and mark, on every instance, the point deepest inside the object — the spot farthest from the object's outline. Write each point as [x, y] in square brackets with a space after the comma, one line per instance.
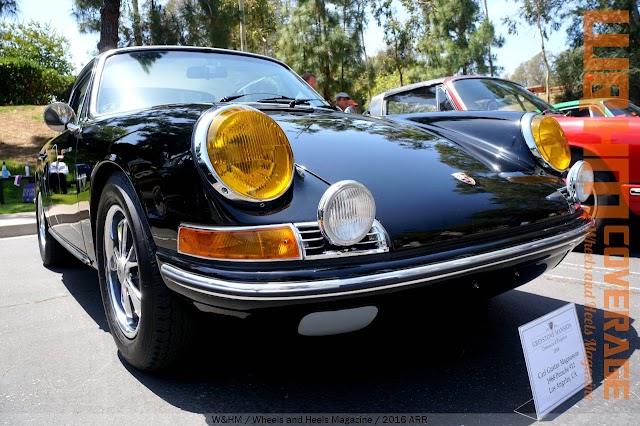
[215, 179]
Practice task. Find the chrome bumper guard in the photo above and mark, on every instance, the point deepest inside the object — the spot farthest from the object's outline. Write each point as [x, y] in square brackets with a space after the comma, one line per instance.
[298, 290]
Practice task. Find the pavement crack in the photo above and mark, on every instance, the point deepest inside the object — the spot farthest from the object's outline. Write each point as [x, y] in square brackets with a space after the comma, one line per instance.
[35, 301]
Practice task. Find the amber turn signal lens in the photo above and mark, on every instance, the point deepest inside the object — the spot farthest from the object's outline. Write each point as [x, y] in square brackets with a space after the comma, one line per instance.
[250, 153]
[266, 243]
[551, 142]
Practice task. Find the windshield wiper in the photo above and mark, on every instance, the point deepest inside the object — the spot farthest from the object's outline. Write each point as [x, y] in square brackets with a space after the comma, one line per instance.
[230, 98]
[278, 99]
[285, 100]
[554, 111]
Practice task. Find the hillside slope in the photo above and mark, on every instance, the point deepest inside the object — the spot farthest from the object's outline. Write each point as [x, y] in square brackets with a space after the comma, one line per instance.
[22, 133]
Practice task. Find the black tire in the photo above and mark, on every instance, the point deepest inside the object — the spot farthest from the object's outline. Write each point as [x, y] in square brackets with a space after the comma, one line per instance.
[148, 323]
[51, 251]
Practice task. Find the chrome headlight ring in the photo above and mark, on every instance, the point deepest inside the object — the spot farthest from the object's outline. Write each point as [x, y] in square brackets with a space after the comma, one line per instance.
[346, 213]
[207, 169]
[526, 126]
[580, 181]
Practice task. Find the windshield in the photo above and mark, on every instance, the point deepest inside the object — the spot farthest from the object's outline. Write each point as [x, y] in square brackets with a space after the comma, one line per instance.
[487, 94]
[622, 107]
[143, 79]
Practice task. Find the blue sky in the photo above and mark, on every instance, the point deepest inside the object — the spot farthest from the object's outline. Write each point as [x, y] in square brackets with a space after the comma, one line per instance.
[516, 50]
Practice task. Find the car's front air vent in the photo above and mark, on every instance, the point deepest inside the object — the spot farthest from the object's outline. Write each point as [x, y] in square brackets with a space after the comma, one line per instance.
[315, 246]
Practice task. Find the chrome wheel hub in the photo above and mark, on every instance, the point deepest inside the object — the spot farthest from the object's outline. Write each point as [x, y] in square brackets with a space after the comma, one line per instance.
[41, 225]
[121, 271]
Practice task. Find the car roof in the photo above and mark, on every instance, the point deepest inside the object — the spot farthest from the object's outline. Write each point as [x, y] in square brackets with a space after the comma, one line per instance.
[187, 49]
[440, 80]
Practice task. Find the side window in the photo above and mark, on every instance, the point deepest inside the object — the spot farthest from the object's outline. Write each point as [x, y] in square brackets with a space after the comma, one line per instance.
[422, 99]
[444, 103]
[596, 112]
[78, 95]
[578, 112]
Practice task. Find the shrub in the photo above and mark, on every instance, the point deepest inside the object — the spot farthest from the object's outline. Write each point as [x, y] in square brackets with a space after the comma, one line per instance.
[25, 82]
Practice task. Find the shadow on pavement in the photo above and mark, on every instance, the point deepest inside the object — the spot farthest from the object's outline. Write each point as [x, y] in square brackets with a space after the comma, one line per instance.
[407, 362]
[82, 282]
[411, 363]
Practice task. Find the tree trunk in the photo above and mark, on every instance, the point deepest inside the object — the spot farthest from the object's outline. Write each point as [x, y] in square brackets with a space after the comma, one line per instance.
[635, 16]
[137, 30]
[546, 62]
[109, 17]
[486, 17]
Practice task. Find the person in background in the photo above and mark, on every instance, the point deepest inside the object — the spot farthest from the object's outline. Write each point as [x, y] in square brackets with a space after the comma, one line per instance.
[344, 102]
[58, 171]
[352, 108]
[311, 80]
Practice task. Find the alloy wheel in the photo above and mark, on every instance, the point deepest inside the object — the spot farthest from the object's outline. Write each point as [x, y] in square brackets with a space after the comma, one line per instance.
[122, 272]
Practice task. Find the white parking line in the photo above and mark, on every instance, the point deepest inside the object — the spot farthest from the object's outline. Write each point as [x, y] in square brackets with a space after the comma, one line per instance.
[581, 267]
[564, 277]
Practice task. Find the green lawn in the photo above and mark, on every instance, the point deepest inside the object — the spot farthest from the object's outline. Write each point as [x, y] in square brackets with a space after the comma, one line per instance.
[13, 199]
[13, 194]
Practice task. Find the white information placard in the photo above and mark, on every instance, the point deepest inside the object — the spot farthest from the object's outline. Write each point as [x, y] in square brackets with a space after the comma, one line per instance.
[554, 350]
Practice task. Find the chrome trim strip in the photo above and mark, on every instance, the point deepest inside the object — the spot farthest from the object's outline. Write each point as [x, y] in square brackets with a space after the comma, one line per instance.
[634, 191]
[274, 291]
[70, 247]
[376, 230]
[376, 227]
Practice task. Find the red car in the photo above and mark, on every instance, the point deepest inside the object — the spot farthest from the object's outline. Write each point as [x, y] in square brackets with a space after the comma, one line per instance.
[611, 144]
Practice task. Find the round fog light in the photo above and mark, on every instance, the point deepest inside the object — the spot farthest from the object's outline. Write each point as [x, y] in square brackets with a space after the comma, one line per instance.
[346, 212]
[580, 181]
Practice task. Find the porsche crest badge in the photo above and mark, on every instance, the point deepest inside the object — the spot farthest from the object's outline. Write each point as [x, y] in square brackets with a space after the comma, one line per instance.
[463, 177]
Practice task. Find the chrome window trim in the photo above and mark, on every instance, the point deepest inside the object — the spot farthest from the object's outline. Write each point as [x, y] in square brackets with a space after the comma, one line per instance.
[281, 291]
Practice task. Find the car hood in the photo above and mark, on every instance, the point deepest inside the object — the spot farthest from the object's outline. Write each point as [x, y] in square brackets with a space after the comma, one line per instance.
[410, 171]
[412, 175]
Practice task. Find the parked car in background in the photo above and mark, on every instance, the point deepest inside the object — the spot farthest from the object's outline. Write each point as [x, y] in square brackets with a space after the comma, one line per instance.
[220, 181]
[599, 107]
[611, 144]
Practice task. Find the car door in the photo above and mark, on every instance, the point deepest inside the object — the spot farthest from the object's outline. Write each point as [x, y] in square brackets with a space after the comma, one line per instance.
[67, 181]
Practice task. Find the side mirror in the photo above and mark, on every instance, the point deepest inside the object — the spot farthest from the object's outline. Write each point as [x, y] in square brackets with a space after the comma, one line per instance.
[58, 115]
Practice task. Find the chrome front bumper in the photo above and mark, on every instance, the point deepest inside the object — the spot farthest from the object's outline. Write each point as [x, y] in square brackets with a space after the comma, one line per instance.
[331, 288]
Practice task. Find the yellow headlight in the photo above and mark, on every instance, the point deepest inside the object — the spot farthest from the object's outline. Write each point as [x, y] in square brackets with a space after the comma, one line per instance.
[250, 153]
[551, 142]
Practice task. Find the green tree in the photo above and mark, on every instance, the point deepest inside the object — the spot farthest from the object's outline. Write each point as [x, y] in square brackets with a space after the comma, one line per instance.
[87, 14]
[399, 36]
[453, 42]
[530, 73]
[546, 17]
[324, 37]
[632, 28]
[262, 22]
[8, 8]
[568, 71]
[34, 64]
[38, 43]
